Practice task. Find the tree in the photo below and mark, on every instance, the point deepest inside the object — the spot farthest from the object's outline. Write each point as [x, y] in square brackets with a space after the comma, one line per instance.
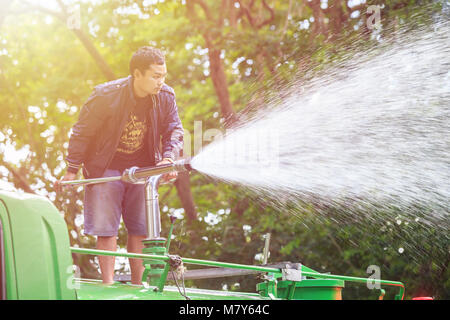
[224, 58]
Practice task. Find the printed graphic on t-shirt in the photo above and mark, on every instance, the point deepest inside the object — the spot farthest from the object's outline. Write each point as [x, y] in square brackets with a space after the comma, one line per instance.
[132, 138]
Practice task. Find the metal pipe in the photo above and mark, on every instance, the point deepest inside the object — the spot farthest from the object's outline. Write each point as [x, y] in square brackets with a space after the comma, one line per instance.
[166, 258]
[152, 207]
[83, 182]
[137, 175]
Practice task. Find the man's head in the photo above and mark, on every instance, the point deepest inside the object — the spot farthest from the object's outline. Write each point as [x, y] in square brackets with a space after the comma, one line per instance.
[148, 69]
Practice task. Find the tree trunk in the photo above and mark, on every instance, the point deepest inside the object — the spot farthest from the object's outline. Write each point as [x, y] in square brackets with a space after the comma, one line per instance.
[19, 181]
[183, 186]
[89, 46]
[219, 80]
[318, 26]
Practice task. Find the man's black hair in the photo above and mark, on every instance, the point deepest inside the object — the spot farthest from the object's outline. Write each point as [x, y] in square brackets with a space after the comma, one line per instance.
[144, 57]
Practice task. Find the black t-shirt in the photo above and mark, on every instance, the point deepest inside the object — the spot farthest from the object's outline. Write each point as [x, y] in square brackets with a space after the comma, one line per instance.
[133, 148]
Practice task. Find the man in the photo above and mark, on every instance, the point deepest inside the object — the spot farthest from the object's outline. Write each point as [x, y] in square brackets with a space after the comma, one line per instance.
[123, 124]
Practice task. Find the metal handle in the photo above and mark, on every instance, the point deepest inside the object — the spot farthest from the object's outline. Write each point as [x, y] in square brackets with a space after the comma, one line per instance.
[82, 182]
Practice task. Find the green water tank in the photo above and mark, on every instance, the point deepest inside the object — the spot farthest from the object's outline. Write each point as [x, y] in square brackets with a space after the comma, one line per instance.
[35, 258]
[308, 289]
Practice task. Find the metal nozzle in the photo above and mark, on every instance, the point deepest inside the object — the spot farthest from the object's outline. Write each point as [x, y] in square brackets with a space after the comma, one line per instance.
[136, 174]
[183, 165]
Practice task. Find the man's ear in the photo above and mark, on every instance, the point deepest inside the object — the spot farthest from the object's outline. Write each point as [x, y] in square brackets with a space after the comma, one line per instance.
[137, 73]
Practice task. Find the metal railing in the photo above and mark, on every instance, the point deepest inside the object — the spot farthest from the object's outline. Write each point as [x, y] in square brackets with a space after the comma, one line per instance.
[305, 270]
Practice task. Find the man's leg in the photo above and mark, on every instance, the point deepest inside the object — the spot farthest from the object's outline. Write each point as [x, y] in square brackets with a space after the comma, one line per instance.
[135, 245]
[107, 262]
[135, 222]
[102, 210]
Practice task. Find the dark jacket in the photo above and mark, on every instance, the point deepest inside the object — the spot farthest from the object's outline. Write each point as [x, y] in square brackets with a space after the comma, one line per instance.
[96, 134]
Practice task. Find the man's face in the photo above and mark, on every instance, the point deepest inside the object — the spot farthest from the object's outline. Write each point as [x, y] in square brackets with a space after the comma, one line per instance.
[153, 79]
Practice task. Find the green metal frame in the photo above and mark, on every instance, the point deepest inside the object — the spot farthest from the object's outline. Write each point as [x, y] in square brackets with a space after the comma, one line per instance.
[274, 273]
[34, 230]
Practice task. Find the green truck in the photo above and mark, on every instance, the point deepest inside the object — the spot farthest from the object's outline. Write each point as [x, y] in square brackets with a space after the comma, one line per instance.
[36, 263]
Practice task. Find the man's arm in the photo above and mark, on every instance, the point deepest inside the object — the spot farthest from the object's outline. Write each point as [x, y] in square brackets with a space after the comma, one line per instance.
[89, 121]
[171, 137]
[172, 132]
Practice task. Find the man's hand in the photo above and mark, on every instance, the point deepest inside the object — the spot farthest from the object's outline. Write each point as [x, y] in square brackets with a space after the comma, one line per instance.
[168, 177]
[69, 176]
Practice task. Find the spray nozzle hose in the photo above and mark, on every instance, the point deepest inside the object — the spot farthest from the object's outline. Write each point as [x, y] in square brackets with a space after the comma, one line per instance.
[137, 175]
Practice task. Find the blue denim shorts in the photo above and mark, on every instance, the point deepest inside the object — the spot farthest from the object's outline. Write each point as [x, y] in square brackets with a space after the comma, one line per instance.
[105, 203]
